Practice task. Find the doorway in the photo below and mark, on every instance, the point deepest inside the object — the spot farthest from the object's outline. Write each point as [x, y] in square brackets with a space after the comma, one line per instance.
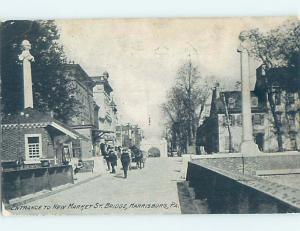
[259, 140]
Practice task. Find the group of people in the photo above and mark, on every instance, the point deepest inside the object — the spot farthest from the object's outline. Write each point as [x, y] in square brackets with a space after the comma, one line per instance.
[112, 154]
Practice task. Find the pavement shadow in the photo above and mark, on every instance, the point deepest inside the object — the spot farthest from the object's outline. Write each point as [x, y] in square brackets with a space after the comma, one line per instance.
[186, 203]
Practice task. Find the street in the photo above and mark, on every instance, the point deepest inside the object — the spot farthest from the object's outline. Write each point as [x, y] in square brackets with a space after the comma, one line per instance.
[152, 190]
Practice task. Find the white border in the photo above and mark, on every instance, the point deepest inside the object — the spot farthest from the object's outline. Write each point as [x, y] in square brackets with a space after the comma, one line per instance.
[32, 9]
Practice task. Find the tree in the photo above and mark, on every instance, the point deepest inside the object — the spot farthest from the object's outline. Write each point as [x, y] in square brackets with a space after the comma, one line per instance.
[279, 47]
[49, 82]
[186, 102]
[228, 123]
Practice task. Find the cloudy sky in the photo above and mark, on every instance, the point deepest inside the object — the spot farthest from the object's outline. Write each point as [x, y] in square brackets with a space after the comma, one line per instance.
[143, 55]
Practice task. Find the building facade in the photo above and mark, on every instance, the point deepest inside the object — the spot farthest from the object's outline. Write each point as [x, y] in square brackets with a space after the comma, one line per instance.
[221, 131]
[281, 88]
[129, 135]
[107, 116]
[85, 121]
[32, 136]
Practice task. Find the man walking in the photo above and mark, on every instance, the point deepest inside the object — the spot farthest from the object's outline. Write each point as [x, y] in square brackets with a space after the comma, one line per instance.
[125, 160]
[113, 160]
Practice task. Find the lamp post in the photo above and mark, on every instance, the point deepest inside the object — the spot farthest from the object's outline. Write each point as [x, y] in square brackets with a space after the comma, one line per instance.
[248, 147]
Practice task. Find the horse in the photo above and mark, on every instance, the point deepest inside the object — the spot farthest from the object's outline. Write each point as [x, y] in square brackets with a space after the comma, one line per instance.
[138, 158]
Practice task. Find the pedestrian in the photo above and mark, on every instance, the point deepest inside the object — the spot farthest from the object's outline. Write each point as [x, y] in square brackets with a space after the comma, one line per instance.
[119, 151]
[113, 160]
[125, 160]
[104, 152]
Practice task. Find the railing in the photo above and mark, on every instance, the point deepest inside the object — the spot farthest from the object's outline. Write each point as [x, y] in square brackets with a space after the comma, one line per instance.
[21, 182]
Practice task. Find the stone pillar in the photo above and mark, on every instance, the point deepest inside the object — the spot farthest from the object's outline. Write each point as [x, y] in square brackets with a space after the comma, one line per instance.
[26, 57]
[248, 146]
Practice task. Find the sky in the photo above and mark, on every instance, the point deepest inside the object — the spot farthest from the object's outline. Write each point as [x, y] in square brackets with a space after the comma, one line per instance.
[142, 56]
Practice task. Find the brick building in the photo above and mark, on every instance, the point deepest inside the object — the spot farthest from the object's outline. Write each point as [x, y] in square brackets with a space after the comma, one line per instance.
[214, 132]
[32, 136]
[283, 85]
[85, 121]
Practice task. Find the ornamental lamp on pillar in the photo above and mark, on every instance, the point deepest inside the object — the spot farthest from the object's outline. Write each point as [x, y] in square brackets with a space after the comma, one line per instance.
[26, 59]
[248, 146]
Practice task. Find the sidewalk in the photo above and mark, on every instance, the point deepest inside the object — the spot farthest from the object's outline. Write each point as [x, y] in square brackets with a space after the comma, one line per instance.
[79, 178]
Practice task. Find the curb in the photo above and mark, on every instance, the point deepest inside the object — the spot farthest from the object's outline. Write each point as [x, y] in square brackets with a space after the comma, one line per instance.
[52, 192]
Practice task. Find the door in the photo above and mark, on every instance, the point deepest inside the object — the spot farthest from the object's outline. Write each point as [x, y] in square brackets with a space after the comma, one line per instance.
[259, 140]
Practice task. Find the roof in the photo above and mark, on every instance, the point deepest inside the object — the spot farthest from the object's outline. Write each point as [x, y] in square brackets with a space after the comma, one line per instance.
[36, 118]
[103, 80]
[287, 78]
[75, 71]
[236, 97]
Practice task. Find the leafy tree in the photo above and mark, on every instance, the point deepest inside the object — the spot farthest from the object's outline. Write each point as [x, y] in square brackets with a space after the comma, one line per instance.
[185, 105]
[279, 47]
[49, 82]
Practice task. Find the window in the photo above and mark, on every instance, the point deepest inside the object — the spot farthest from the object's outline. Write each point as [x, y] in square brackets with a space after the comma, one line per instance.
[33, 147]
[292, 121]
[291, 98]
[258, 119]
[277, 98]
[231, 103]
[232, 120]
[279, 118]
[293, 141]
[223, 120]
[254, 101]
[239, 120]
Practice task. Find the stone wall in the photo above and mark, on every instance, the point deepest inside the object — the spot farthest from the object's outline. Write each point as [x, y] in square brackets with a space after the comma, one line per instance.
[235, 162]
[222, 191]
[18, 183]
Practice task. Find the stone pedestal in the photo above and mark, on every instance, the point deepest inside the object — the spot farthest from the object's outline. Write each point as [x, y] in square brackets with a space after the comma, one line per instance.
[248, 147]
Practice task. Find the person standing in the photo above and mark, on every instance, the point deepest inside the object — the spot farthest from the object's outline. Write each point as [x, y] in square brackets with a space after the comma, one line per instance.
[125, 160]
[113, 160]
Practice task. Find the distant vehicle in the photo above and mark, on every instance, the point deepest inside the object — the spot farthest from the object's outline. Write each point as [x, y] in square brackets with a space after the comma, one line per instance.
[153, 152]
[174, 153]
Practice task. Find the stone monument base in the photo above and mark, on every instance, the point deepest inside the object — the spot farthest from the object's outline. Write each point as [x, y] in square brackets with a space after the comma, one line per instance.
[249, 148]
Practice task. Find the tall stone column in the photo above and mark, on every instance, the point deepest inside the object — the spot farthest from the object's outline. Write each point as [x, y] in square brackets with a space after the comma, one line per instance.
[27, 58]
[248, 146]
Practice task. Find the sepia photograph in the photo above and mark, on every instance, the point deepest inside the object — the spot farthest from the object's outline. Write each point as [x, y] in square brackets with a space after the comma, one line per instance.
[150, 116]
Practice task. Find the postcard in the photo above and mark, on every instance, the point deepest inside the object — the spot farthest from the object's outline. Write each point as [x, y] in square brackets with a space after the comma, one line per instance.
[150, 116]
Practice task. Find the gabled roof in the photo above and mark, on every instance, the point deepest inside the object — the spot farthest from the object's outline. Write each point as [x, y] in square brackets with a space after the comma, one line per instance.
[34, 118]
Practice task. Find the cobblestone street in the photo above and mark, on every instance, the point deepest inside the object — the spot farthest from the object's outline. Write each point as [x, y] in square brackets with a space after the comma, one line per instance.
[152, 190]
